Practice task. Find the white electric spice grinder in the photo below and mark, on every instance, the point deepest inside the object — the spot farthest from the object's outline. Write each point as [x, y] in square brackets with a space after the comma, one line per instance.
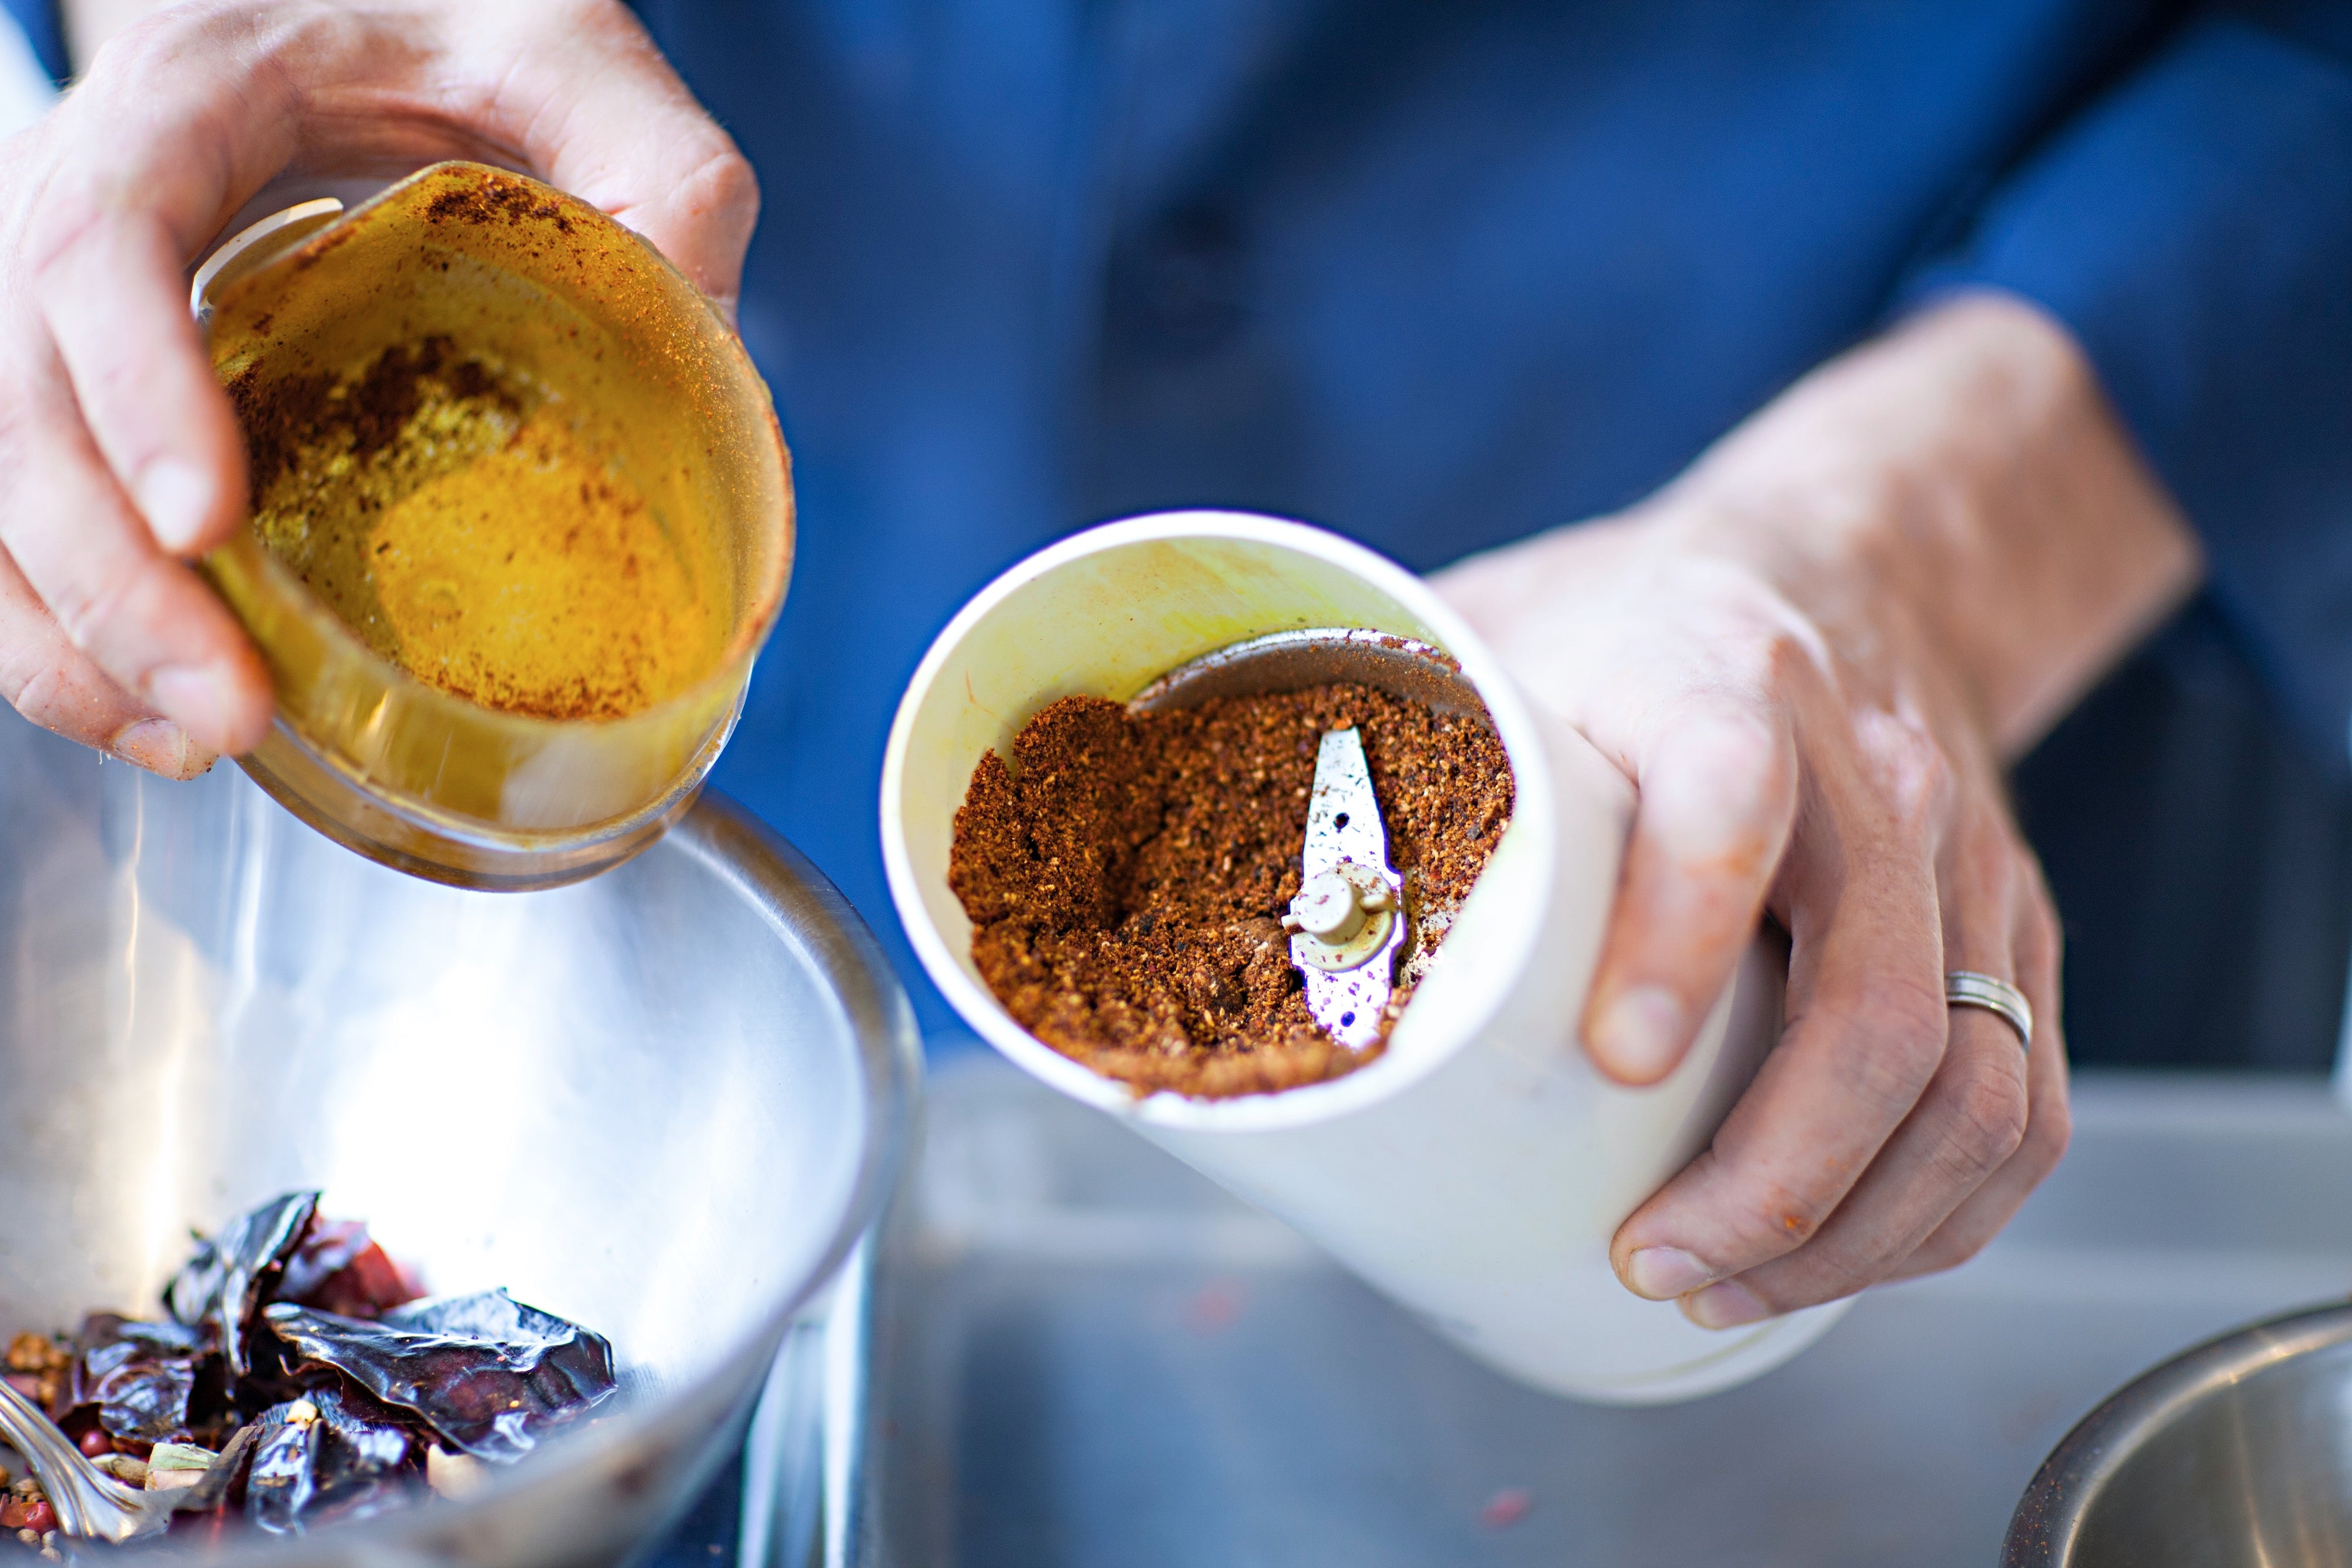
[1476, 1169]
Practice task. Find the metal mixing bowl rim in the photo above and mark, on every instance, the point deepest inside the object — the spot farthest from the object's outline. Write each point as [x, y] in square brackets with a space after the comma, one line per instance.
[2043, 1531]
[778, 881]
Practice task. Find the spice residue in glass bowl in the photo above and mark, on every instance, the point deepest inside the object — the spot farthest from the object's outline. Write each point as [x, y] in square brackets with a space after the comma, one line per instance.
[472, 532]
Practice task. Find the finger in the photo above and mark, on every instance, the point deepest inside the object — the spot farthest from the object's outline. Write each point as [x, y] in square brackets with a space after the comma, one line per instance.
[2050, 1121]
[143, 619]
[603, 116]
[156, 155]
[116, 307]
[1718, 798]
[54, 683]
[1970, 1124]
[1967, 1125]
[1865, 1034]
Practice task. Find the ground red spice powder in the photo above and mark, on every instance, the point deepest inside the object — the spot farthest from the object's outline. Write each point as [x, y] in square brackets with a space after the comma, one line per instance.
[1126, 874]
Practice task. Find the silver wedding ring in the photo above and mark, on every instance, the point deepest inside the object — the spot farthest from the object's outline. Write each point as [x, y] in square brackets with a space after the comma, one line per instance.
[1966, 988]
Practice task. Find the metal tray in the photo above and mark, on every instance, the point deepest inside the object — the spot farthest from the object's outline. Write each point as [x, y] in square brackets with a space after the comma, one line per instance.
[1083, 1353]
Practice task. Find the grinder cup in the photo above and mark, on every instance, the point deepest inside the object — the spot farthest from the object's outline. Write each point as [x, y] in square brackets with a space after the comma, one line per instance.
[626, 352]
[1476, 1169]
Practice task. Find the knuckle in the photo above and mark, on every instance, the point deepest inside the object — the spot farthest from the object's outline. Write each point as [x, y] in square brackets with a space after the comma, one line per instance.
[46, 681]
[1745, 740]
[722, 179]
[45, 693]
[1725, 774]
[1754, 1212]
[1987, 1120]
[26, 685]
[1888, 1048]
[1915, 777]
[1779, 1217]
[2048, 1134]
[1913, 1011]
[57, 229]
[100, 219]
[84, 610]
[1781, 655]
[129, 47]
[95, 608]
[157, 40]
[1902, 1029]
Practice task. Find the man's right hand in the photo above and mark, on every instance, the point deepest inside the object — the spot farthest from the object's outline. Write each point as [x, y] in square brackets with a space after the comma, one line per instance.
[120, 458]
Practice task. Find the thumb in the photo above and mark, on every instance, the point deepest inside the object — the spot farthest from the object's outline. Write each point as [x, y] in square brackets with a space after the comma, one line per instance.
[603, 116]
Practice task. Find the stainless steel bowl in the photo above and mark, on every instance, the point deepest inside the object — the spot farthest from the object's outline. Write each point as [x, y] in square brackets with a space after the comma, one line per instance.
[2237, 1452]
[662, 1102]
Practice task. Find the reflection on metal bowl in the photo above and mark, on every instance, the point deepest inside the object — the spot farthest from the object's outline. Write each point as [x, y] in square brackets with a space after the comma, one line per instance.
[664, 1101]
[2236, 1453]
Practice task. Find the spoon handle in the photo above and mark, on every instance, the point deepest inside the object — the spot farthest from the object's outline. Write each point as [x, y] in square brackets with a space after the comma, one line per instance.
[88, 1501]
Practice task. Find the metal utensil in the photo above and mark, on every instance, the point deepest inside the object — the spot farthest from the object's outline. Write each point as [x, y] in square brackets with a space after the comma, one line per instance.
[1348, 920]
[662, 1102]
[1318, 656]
[2238, 1452]
[87, 1499]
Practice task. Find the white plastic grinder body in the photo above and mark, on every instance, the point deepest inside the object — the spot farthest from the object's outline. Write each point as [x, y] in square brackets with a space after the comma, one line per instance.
[1476, 1169]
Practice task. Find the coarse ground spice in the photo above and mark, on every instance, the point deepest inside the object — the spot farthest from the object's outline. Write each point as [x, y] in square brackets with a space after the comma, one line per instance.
[470, 535]
[1126, 874]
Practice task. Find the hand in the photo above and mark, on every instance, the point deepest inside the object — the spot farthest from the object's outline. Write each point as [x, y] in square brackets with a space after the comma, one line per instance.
[1810, 655]
[120, 458]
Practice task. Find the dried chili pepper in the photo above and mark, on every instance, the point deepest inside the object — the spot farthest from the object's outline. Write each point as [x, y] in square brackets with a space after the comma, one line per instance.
[309, 1328]
[233, 1273]
[491, 1376]
[138, 1375]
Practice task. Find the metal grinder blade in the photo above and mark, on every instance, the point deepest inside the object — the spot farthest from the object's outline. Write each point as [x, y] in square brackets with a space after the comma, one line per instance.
[1349, 921]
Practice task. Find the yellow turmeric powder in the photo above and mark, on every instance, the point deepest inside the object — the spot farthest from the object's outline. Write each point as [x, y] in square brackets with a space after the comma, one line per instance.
[468, 533]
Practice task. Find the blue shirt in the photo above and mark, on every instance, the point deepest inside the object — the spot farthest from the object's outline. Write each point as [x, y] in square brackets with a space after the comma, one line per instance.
[1440, 275]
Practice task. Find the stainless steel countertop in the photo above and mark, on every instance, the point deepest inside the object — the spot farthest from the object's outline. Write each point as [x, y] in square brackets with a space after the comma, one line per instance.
[1088, 1355]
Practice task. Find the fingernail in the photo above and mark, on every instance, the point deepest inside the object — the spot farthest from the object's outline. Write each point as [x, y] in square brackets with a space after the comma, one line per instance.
[176, 497]
[1725, 1306]
[157, 744]
[196, 694]
[1638, 1035]
[1662, 1273]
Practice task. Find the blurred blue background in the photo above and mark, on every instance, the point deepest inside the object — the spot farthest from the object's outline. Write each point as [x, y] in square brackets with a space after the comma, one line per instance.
[1440, 276]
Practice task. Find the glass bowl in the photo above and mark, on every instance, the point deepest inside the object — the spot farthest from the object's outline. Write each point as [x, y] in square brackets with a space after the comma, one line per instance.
[582, 311]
